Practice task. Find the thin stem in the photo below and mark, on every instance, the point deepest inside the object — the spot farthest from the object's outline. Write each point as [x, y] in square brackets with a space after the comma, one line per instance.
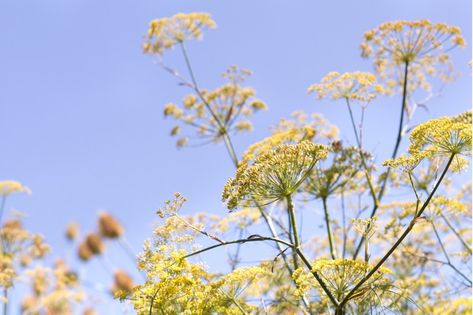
[2, 208]
[235, 260]
[403, 236]
[240, 308]
[295, 232]
[127, 249]
[394, 154]
[460, 238]
[255, 238]
[317, 277]
[329, 229]
[5, 304]
[344, 247]
[362, 157]
[230, 148]
[223, 130]
[403, 110]
[358, 140]
[258, 238]
[449, 262]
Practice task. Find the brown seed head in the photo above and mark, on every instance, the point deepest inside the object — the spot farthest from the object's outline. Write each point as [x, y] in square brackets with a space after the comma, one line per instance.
[109, 226]
[84, 253]
[72, 231]
[95, 243]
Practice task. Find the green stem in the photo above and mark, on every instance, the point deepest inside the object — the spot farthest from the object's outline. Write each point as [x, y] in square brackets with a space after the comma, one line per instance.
[460, 238]
[447, 257]
[245, 240]
[363, 161]
[403, 236]
[295, 232]
[394, 154]
[5, 304]
[2, 208]
[329, 229]
[230, 148]
[317, 277]
[222, 128]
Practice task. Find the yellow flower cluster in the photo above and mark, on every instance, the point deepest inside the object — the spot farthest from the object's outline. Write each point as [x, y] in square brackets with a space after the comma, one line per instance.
[54, 290]
[342, 169]
[441, 136]
[217, 112]
[176, 286]
[341, 275]
[422, 44]
[166, 32]
[406, 163]
[465, 118]
[366, 227]
[19, 249]
[360, 86]
[442, 205]
[437, 138]
[315, 126]
[8, 187]
[290, 131]
[242, 219]
[172, 207]
[274, 174]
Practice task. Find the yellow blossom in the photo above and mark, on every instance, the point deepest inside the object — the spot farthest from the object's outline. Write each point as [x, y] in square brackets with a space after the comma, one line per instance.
[8, 187]
[166, 32]
[360, 86]
[421, 44]
[274, 174]
[215, 113]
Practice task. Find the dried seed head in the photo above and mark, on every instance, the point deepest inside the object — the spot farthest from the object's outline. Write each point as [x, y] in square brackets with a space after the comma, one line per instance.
[72, 231]
[109, 227]
[95, 243]
[122, 282]
[84, 253]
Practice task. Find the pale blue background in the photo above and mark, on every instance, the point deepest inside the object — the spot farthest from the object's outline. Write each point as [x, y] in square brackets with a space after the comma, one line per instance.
[81, 107]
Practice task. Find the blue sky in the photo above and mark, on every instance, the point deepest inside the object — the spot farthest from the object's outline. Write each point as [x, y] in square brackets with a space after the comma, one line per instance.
[81, 106]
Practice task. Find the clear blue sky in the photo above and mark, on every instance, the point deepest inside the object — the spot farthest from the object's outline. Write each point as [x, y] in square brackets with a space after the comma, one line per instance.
[81, 106]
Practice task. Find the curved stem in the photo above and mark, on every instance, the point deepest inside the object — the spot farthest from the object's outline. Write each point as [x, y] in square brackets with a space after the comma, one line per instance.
[403, 236]
[394, 154]
[256, 238]
[329, 230]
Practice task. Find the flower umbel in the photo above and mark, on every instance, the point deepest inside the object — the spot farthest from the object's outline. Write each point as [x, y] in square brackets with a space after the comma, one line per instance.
[212, 114]
[275, 174]
[438, 138]
[422, 44]
[166, 32]
[8, 187]
[342, 274]
[360, 86]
